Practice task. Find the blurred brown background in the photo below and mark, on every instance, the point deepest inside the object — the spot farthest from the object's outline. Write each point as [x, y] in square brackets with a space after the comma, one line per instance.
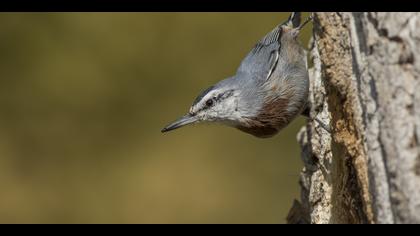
[83, 97]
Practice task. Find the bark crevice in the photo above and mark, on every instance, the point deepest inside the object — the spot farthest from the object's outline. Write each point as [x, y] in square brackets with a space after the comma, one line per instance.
[363, 82]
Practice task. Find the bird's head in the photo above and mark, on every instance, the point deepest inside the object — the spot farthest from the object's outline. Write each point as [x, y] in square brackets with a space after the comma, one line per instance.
[218, 103]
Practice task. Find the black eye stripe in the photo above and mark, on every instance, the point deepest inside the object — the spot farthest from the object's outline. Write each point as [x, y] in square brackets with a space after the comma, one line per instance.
[212, 101]
[222, 96]
[202, 94]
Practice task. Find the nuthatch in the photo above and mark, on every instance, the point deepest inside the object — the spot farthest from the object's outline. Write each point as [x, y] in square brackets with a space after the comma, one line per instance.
[269, 90]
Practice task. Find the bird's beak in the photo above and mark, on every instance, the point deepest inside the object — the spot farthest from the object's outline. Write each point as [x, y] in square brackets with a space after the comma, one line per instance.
[183, 121]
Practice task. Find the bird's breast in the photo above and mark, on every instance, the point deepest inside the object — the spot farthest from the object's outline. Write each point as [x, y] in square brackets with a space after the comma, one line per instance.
[270, 119]
[259, 131]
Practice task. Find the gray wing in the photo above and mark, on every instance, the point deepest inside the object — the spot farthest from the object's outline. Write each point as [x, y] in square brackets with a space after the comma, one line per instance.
[263, 58]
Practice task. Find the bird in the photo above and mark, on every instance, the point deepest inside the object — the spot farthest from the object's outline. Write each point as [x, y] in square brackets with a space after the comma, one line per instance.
[270, 87]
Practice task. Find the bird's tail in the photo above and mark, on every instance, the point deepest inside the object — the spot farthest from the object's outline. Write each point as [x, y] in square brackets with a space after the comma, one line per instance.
[295, 20]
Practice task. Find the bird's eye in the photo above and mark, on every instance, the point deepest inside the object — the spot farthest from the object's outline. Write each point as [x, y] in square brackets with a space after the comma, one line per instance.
[209, 103]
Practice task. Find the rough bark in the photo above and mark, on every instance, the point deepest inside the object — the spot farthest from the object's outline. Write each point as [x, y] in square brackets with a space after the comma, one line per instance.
[365, 86]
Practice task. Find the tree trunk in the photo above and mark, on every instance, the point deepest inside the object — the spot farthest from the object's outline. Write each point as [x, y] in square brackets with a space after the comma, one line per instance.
[365, 86]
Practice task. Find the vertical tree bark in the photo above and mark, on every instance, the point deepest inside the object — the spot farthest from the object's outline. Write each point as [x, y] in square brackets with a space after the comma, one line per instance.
[365, 86]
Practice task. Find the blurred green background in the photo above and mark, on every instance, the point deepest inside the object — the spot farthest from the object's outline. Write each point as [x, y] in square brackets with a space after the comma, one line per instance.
[83, 97]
